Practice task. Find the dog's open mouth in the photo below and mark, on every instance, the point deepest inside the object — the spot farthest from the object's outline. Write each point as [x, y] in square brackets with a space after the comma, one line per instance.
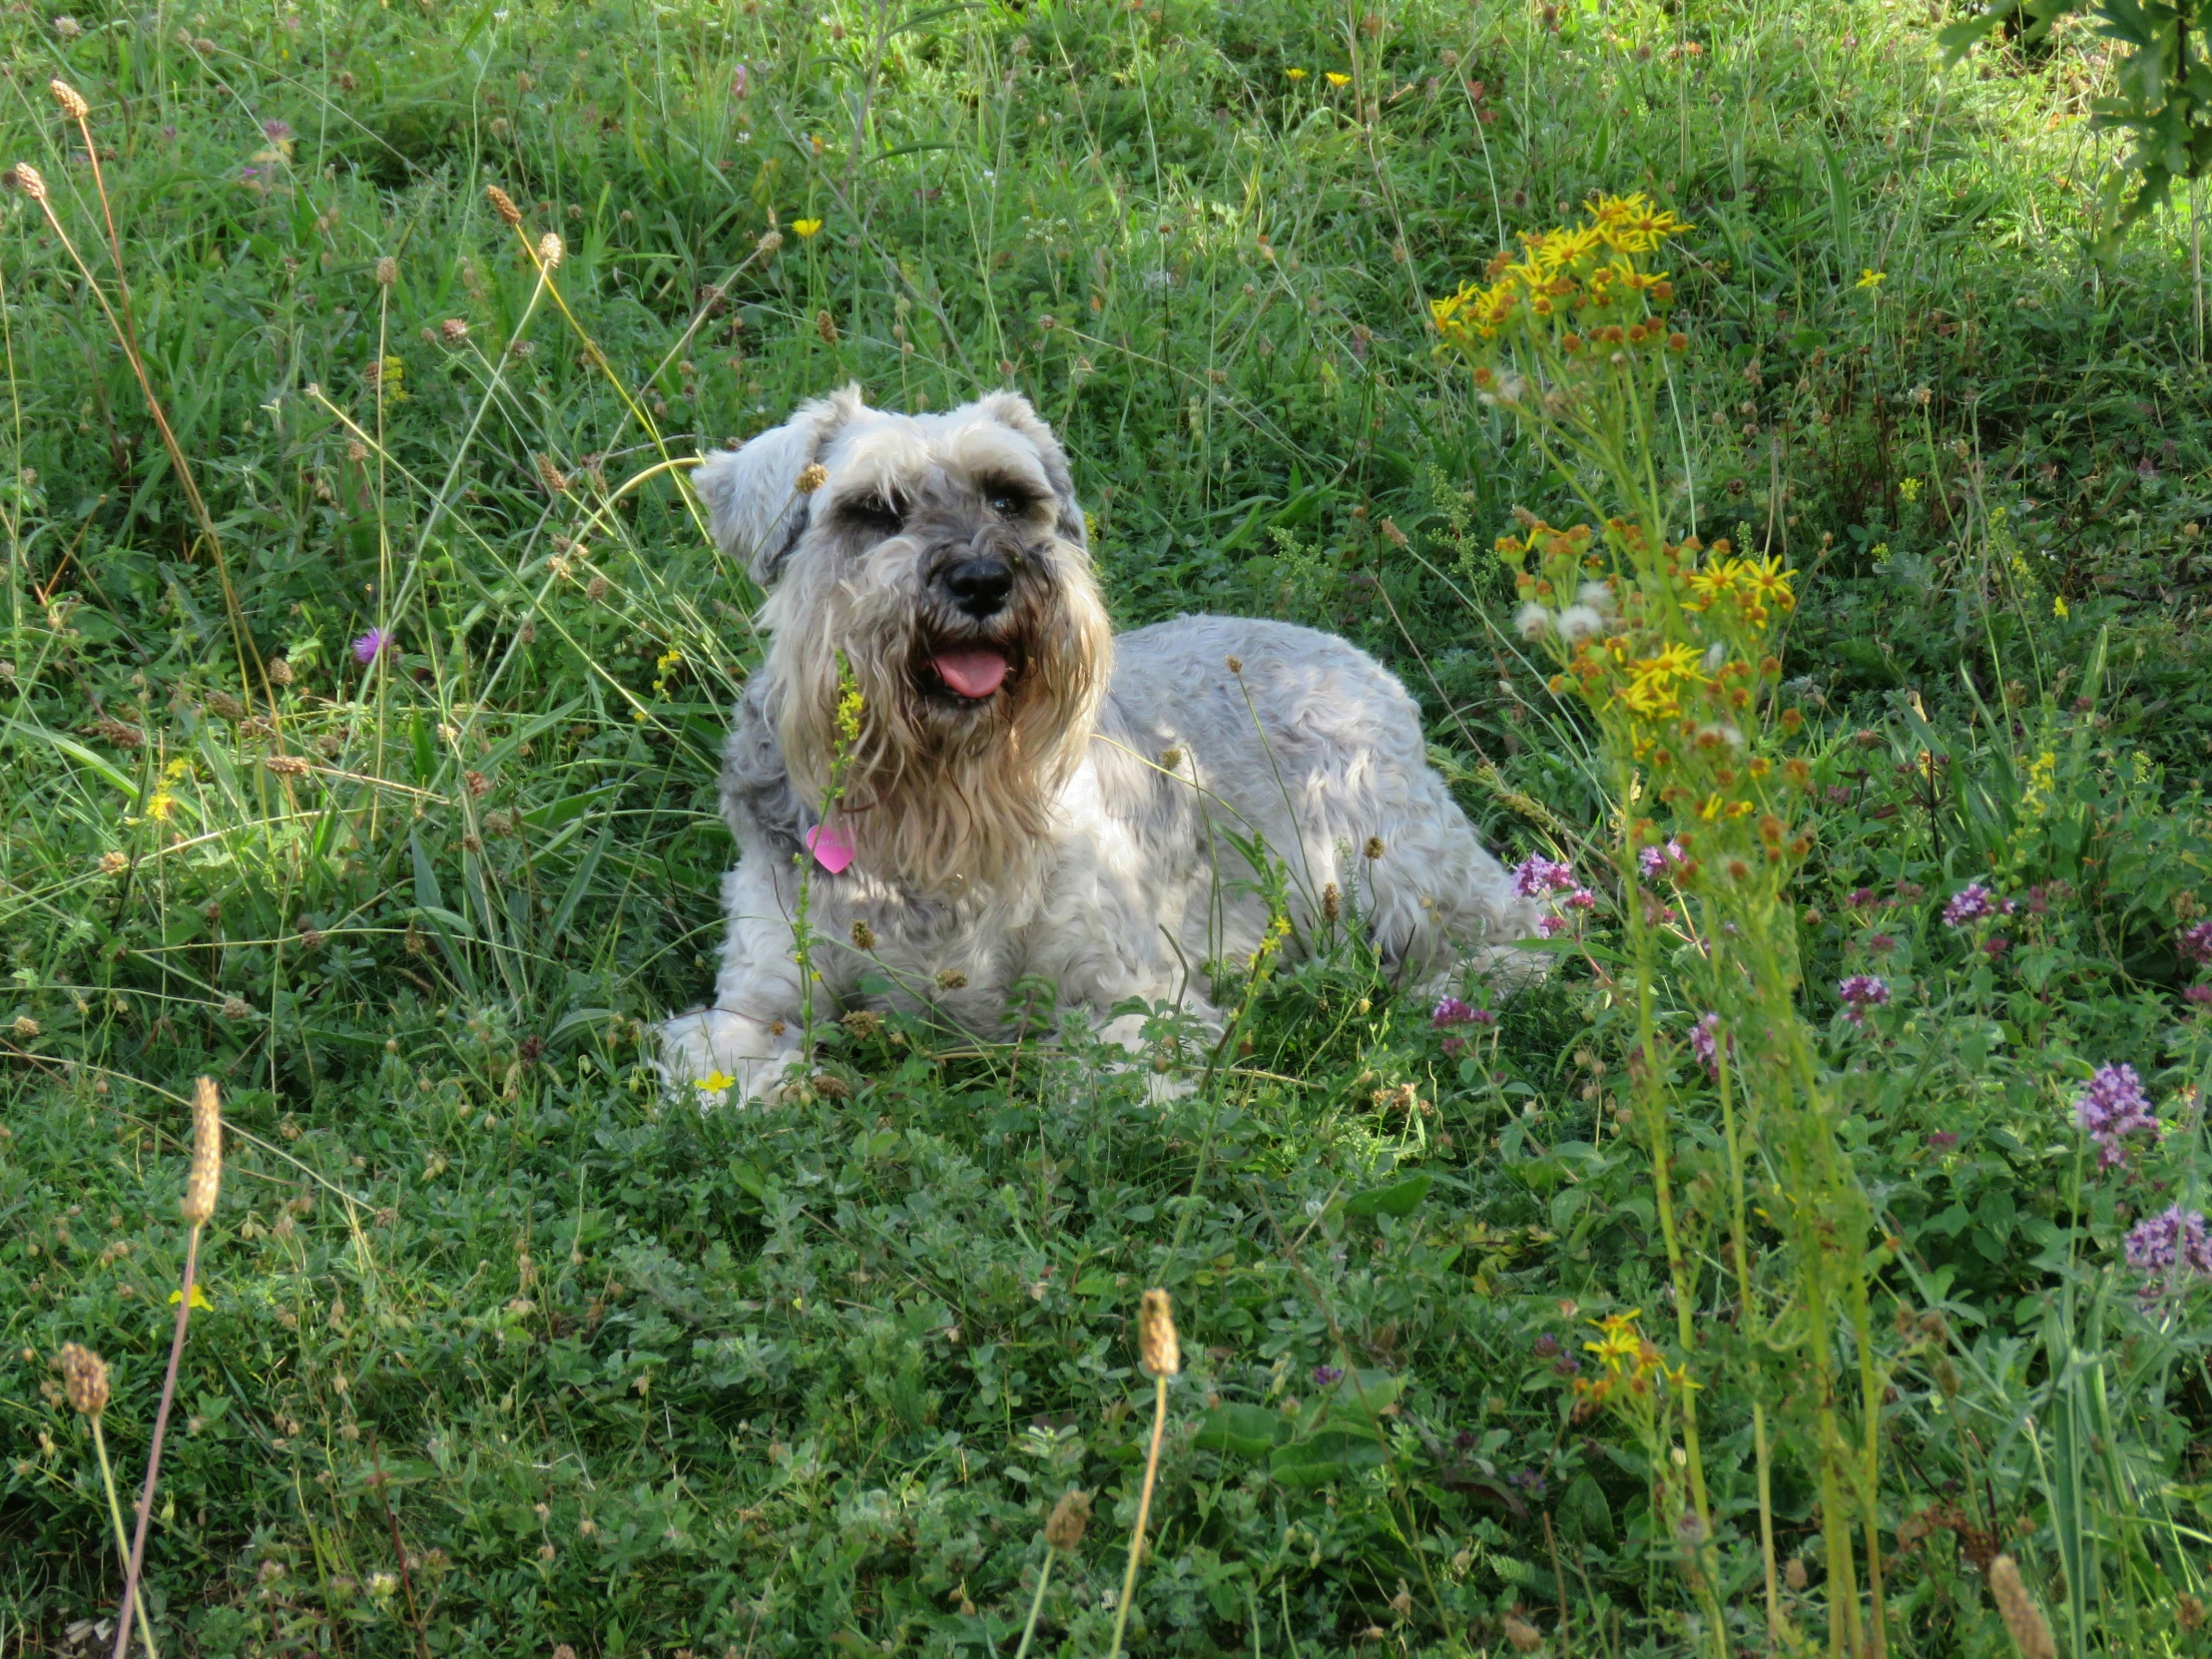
[971, 672]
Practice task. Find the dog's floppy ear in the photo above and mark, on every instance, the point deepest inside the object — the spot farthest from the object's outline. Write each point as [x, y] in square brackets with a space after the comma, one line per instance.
[1011, 410]
[757, 509]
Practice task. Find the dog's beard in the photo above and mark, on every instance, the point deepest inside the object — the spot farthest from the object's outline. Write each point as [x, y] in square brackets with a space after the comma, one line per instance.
[967, 730]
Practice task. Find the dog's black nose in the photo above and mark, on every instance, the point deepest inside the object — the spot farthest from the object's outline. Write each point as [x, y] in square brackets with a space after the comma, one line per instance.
[979, 586]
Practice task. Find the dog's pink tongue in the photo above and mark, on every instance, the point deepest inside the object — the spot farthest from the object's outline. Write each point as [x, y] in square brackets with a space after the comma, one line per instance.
[973, 673]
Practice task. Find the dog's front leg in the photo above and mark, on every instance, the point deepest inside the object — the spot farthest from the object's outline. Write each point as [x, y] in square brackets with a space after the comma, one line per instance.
[748, 1037]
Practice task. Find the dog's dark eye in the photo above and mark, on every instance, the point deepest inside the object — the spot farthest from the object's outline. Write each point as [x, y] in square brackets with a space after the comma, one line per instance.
[876, 513]
[1009, 502]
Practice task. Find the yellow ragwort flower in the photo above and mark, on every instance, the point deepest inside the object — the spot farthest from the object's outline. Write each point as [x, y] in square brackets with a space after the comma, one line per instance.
[804, 227]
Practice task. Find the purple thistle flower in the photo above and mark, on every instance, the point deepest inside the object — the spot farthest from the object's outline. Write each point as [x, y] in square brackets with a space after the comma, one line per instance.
[372, 645]
[2196, 942]
[2111, 1107]
[1970, 903]
[1540, 875]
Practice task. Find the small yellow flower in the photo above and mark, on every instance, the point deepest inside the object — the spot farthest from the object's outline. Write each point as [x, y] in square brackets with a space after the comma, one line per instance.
[1335, 79]
[804, 227]
[1869, 279]
[714, 1082]
[199, 1296]
[1296, 74]
[2059, 607]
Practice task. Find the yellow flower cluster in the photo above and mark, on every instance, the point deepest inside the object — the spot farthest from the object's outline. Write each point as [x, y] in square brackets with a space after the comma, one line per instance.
[1628, 1360]
[1588, 272]
[1673, 649]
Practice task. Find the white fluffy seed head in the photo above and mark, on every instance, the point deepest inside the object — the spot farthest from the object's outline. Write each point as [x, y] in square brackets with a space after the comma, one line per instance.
[1532, 622]
[1598, 596]
[1580, 621]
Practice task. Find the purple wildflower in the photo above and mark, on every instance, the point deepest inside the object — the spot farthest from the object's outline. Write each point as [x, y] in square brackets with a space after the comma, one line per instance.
[1705, 1044]
[1540, 875]
[1860, 992]
[2199, 994]
[2196, 942]
[372, 645]
[1970, 903]
[1325, 1376]
[1943, 1140]
[1546, 1345]
[1881, 941]
[2168, 1248]
[1549, 925]
[1451, 1011]
[1655, 862]
[276, 132]
[2111, 1107]
[1580, 900]
[1528, 1481]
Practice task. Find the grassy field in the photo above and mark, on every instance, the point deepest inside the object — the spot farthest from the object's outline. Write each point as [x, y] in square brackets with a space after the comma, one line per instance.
[499, 1357]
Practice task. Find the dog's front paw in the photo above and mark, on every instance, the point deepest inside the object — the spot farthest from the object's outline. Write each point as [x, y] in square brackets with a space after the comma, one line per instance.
[711, 1056]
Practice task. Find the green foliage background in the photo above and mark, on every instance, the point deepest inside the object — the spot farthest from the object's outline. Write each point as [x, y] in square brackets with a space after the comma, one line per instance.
[502, 1356]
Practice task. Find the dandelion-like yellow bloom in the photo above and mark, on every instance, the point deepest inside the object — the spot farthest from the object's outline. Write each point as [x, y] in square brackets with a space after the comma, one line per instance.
[1335, 79]
[1296, 74]
[804, 227]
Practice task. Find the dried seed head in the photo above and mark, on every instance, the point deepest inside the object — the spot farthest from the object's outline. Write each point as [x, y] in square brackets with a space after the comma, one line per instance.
[207, 1154]
[1793, 1572]
[2030, 1630]
[1374, 848]
[29, 181]
[1063, 1530]
[387, 272]
[813, 478]
[551, 250]
[827, 326]
[280, 673]
[70, 99]
[864, 936]
[85, 1375]
[453, 331]
[503, 204]
[1157, 1349]
[286, 765]
[769, 241]
[1524, 1637]
[552, 477]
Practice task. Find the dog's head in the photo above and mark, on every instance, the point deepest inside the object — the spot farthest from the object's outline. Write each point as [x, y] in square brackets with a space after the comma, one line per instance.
[942, 560]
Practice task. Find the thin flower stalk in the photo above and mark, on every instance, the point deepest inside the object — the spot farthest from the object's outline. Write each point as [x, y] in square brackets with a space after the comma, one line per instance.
[202, 1185]
[1159, 1351]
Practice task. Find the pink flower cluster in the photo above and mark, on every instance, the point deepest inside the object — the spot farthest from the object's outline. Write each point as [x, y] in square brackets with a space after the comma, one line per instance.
[1452, 1011]
[1974, 901]
[2110, 1108]
[2166, 1249]
[1656, 862]
[1859, 992]
[1705, 1043]
[1540, 877]
[2195, 942]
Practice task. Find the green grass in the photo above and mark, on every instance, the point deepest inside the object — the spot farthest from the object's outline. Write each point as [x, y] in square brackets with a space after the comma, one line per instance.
[501, 1355]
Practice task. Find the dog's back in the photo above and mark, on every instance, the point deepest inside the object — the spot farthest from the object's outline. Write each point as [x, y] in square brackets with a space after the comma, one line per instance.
[1236, 728]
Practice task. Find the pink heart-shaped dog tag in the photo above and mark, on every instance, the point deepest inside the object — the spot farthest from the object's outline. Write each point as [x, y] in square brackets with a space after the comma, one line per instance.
[830, 849]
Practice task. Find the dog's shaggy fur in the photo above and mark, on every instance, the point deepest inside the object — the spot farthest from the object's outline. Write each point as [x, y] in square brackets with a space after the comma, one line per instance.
[1027, 794]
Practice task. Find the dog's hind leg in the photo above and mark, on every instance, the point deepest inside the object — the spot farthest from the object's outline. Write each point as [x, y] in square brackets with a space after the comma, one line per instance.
[1436, 903]
[748, 1038]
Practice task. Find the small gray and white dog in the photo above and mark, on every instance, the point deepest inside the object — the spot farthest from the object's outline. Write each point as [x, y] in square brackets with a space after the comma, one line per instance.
[1021, 793]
